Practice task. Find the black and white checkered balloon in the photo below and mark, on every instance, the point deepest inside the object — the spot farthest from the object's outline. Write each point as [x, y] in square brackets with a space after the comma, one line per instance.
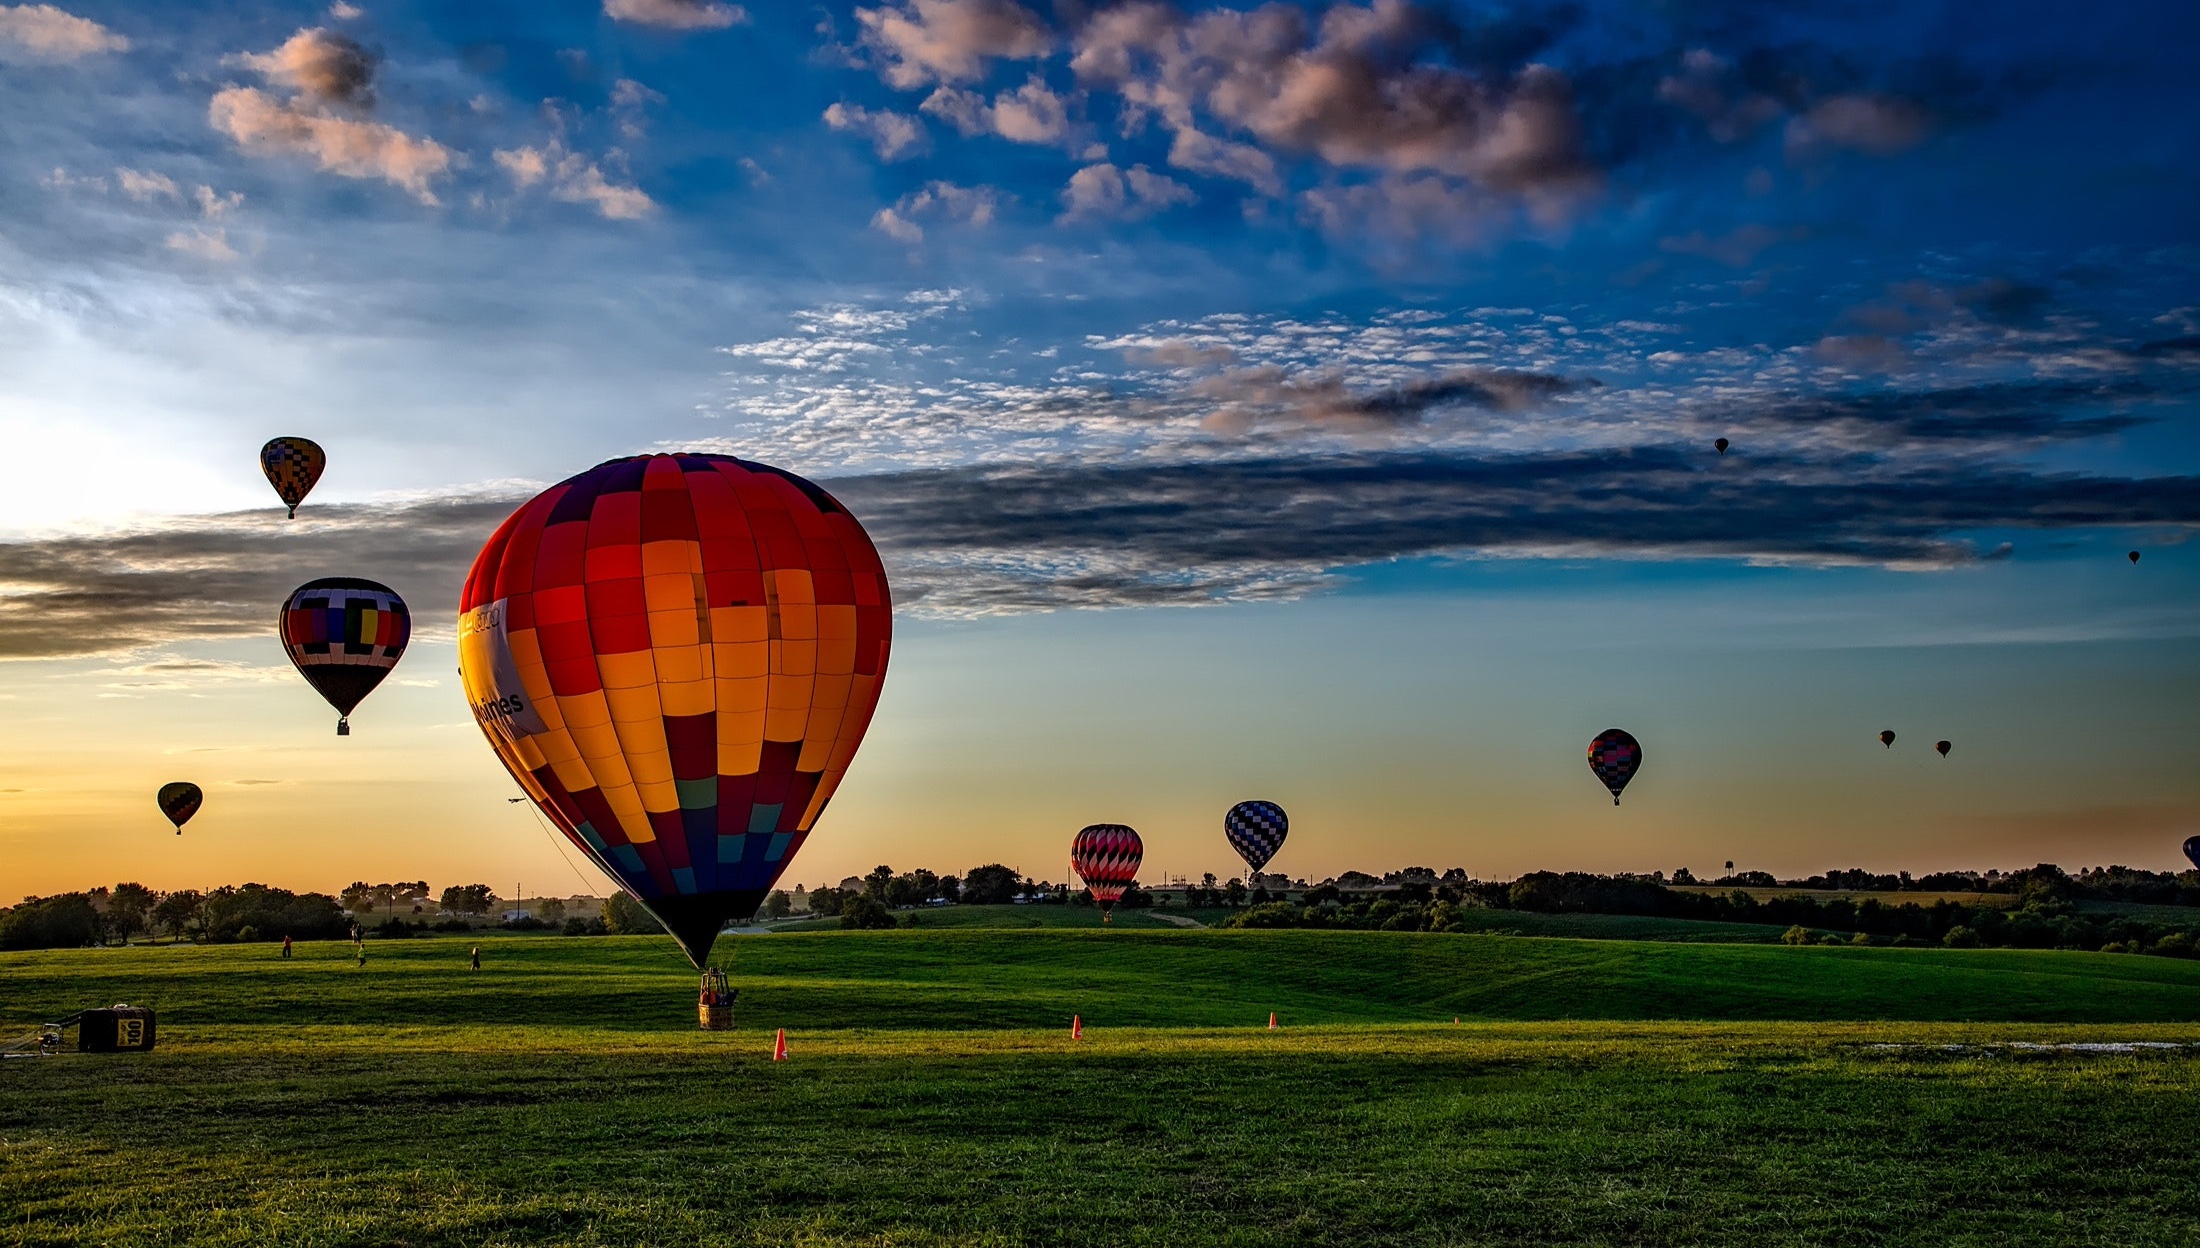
[1256, 831]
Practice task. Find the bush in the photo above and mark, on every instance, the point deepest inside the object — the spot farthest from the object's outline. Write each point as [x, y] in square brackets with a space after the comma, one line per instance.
[578, 926]
[1830, 939]
[526, 923]
[451, 925]
[1266, 914]
[864, 913]
[394, 928]
[2174, 945]
[1960, 937]
[1796, 935]
[1861, 938]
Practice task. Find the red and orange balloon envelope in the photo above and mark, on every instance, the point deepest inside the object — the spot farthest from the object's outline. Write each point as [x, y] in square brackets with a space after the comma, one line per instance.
[292, 466]
[179, 800]
[1106, 857]
[344, 634]
[676, 657]
[1613, 756]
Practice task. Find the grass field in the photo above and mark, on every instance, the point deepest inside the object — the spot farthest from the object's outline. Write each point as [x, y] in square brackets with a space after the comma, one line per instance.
[1600, 1092]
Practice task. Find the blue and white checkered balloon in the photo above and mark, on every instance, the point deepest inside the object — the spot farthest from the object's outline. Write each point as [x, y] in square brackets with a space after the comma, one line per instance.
[1256, 831]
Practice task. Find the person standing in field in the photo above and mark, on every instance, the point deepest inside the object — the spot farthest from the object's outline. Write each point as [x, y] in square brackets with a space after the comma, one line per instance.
[362, 957]
[477, 957]
[286, 946]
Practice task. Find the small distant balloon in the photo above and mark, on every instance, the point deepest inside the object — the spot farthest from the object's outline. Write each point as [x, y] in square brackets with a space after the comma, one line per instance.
[2132, 555]
[1256, 831]
[1886, 738]
[1106, 856]
[2192, 851]
[292, 466]
[344, 634]
[179, 800]
[1722, 444]
[1730, 864]
[1943, 747]
[1614, 756]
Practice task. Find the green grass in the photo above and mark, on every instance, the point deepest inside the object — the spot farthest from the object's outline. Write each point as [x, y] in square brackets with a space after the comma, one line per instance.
[1600, 1093]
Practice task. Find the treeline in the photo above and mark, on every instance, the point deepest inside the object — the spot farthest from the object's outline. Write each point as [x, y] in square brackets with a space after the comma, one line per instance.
[885, 890]
[2116, 883]
[2045, 916]
[241, 912]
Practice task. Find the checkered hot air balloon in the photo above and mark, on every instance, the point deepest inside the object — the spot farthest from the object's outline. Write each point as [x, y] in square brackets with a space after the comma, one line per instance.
[1256, 831]
[179, 800]
[344, 634]
[292, 466]
[1614, 756]
[1106, 857]
[676, 657]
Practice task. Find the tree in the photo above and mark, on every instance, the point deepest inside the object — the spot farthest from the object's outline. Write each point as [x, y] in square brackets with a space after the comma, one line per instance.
[550, 910]
[357, 897]
[129, 908]
[64, 922]
[827, 902]
[178, 912]
[468, 899]
[989, 885]
[624, 916]
[877, 882]
[778, 905]
[1233, 894]
[1796, 935]
[865, 913]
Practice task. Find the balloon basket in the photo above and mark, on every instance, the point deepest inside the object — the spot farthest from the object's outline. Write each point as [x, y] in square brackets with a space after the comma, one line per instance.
[714, 1007]
[343, 727]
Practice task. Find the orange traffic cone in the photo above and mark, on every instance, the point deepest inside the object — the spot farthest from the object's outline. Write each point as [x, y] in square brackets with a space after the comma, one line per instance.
[779, 1046]
[1271, 1020]
[1076, 1027]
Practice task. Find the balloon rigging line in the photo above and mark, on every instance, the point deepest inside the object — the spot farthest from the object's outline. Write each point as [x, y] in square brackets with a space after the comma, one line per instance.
[555, 843]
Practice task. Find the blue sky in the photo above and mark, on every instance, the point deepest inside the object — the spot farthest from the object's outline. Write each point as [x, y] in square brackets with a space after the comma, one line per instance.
[1392, 339]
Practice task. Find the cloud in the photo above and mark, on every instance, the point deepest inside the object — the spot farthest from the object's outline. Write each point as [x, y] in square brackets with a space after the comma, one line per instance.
[1269, 396]
[1877, 125]
[322, 66]
[1369, 88]
[41, 32]
[971, 205]
[1736, 248]
[630, 100]
[1708, 87]
[950, 41]
[892, 135]
[1032, 113]
[574, 179]
[677, 14]
[340, 145]
[1104, 192]
[206, 244]
[144, 187]
[343, 12]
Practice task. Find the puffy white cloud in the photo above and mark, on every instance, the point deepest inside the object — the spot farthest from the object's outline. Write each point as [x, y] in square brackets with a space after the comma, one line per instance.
[322, 66]
[971, 205]
[41, 32]
[892, 135]
[1032, 113]
[574, 179]
[677, 14]
[206, 244]
[1105, 192]
[950, 41]
[144, 187]
[344, 146]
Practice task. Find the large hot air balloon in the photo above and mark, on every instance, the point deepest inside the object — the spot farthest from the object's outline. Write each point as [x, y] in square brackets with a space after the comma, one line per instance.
[179, 800]
[1886, 737]
[1256, 831]
[676, 657]
[292, 466]
[344, 634]
[1614, 756]
[2192, 851]
[1106, 857]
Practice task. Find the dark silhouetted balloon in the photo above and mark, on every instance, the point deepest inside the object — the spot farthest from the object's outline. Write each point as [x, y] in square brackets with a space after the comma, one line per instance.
[1886, 738]
[1614, 756]
[179, 800]
[1722, 444]
[676, 657]
[292, 466]
[1106, 857]
[2192, 851]
[1943, 747]
[2132, 555]
[1256, 831]
[344, 634]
